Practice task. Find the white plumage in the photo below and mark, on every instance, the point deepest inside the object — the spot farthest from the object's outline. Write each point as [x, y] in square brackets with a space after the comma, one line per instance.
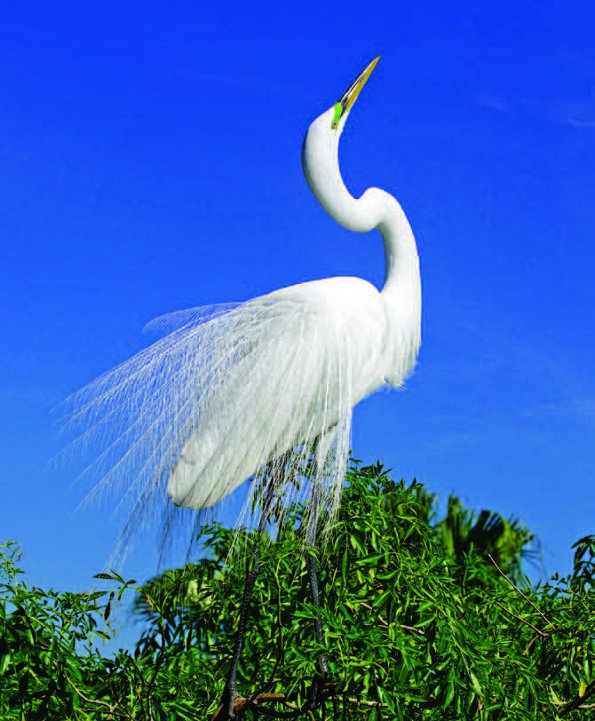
[232, 389]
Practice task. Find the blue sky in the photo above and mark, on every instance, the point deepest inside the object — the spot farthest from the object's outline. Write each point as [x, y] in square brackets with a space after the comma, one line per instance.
[150, 161]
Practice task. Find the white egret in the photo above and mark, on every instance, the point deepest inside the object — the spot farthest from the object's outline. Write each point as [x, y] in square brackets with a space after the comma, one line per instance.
[248, 390]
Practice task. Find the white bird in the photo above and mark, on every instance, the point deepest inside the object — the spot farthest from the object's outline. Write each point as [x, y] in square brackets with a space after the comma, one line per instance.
[231, 389]
[259, 389]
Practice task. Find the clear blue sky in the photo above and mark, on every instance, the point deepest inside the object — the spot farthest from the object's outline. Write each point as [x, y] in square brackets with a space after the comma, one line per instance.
[150, 161]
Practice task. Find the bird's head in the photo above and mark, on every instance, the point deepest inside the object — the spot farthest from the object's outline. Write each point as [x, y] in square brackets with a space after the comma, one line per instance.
[330, 124]
[320, 152]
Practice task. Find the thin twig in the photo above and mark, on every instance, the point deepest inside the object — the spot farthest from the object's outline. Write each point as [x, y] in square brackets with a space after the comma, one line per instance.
[518, 590]
[522, 620]
[412, 628]
[80, 694]
[528, 647]
[372, 704]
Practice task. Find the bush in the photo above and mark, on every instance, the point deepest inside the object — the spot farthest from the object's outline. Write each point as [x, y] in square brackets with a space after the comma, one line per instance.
[424, 619]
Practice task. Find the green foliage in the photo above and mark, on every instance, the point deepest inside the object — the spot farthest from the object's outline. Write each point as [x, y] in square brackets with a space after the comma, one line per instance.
[488, 534]
[425, 619]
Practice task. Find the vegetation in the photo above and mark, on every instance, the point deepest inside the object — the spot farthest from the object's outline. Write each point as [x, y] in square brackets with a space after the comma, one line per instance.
[425, 619]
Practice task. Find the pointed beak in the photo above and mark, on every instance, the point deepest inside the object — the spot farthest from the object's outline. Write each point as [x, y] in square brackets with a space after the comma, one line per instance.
[350, 96]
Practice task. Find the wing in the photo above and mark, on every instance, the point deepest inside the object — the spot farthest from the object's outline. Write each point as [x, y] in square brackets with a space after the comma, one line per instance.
[216, 401]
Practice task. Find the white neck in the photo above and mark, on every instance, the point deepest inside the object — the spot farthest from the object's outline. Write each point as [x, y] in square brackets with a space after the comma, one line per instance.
[375, 209]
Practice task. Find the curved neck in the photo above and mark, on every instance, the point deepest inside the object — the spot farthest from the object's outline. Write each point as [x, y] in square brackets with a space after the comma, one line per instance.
[375, 209]
[400, 250]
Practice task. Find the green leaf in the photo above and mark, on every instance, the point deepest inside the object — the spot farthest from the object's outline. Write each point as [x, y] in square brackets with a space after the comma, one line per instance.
[475, 683]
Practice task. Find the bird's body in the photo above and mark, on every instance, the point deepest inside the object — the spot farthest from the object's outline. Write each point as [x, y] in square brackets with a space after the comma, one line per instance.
[289, 383]
[230, 391]
[320, 348]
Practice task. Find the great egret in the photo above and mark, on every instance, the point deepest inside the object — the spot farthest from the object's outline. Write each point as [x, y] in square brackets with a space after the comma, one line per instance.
[248, 390]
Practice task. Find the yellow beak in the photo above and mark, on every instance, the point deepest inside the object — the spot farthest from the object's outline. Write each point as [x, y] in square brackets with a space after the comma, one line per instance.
[350, 96]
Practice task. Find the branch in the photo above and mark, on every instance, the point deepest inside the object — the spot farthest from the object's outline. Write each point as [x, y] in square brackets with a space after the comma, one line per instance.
[522, 620]
[241, 704]
[518, 590]
[577, 703]
[373, 704]
[80, 694]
